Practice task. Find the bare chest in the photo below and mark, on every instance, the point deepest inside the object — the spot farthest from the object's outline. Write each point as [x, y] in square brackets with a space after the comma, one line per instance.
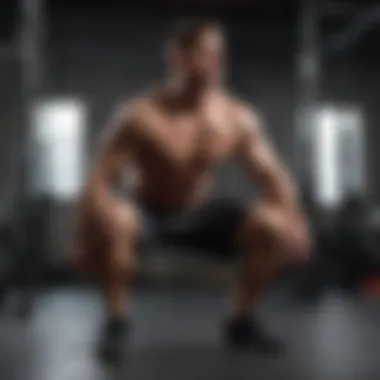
[190, 142]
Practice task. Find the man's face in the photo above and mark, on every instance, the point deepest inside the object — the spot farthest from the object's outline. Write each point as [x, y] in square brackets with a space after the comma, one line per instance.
[204, 62]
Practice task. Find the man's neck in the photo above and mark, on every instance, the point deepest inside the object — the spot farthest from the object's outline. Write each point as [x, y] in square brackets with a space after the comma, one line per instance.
[189, 94]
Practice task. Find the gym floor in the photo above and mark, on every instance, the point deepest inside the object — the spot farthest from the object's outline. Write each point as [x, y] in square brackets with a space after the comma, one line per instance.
[176, 335]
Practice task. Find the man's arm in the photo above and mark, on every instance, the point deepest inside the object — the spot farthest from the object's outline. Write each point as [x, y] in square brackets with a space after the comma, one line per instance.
[118, 145]
[266, 169]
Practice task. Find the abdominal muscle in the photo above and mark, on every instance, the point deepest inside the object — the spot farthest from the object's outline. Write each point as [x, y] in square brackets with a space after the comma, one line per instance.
[174, 192]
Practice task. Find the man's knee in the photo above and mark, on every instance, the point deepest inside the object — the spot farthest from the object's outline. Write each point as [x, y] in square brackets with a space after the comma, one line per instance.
[294, 239]
[122, 238]
[122, 222]
[276, 232]
[107, 240]
[260, 225]
[120, 263]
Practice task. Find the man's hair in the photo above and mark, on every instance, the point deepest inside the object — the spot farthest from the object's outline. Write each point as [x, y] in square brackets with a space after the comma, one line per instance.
[185, 33]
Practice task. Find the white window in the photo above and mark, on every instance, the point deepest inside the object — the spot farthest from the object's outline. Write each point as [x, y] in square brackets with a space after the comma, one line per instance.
[58, 148]
[339, 168]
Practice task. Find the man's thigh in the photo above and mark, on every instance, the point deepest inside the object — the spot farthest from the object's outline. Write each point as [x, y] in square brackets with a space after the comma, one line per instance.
[96, 235]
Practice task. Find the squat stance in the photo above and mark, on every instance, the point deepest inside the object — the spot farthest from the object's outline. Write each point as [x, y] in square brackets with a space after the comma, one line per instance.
[167, 144]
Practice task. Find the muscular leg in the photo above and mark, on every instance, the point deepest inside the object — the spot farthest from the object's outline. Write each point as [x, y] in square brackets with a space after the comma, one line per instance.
[262, 256]
[118, 231]
[265, 235]
[116, 274]
[114, 239]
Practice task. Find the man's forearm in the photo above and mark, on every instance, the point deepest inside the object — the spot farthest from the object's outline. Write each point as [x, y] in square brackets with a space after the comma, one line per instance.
[280, 189]
[97, 190]
[289, 192]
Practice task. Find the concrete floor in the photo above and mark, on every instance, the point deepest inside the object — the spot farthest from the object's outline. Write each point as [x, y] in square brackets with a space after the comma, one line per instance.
[176, 336]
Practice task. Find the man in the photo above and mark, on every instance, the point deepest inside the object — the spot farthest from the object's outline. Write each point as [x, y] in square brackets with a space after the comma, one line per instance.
[167, 144]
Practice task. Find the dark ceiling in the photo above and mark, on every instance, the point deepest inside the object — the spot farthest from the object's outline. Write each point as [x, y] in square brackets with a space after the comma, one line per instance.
[10, 9]
[255, 10]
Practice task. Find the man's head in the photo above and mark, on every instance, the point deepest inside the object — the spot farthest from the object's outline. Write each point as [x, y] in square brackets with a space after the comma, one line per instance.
[196, 51]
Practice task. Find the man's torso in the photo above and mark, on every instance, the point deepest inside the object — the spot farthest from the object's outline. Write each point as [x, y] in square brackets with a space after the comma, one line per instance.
[179, 150]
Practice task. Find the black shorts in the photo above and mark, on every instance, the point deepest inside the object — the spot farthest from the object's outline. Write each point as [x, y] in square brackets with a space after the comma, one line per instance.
[210, 228]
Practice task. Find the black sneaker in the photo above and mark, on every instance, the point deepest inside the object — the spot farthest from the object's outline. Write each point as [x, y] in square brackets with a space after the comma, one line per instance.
[113, 339]
[244, 333]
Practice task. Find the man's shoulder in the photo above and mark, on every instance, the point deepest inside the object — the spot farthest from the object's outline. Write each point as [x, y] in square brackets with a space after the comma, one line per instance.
[242, 112]
[135, 109]
[134, 116]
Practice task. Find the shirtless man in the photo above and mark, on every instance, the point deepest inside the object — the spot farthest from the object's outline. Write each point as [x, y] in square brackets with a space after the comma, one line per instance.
[167, 143]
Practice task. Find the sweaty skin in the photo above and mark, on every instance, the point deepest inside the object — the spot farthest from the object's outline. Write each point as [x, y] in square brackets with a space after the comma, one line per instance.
[174, 151]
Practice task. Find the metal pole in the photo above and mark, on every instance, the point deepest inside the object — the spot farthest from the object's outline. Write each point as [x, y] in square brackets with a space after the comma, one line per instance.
[30, 44]
[363, 22]
[308, 68]
[30, 53]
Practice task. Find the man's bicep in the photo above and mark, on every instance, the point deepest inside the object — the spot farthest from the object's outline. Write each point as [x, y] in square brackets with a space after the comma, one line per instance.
[116, 145]
[260, 156]
[256, 150]
[266, 169]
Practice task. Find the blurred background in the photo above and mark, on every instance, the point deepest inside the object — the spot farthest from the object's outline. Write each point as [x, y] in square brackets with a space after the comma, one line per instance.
[311, 67]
